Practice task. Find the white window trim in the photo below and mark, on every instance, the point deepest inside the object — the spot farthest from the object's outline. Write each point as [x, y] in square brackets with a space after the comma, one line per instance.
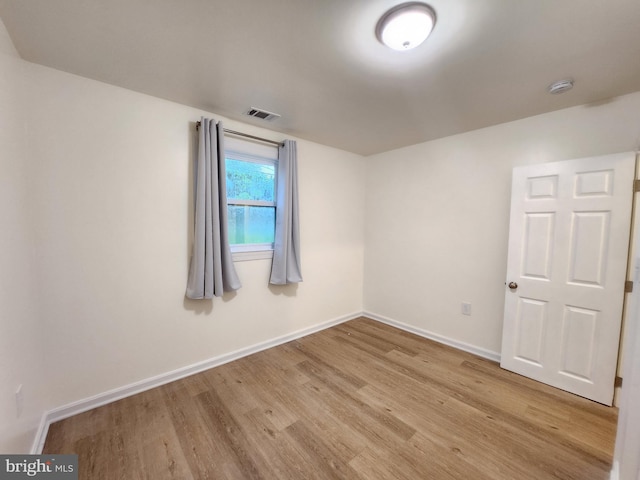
[256, 153]
[251, 203]
[250, 148]
[252, 251]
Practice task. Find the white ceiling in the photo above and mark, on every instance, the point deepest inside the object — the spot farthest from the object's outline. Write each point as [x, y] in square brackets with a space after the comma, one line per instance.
[319, 65]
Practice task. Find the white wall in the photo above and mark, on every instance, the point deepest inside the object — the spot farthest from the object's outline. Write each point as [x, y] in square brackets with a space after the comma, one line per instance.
[101, 176]
[6, 44]
[22, 335]
[113, 236]
[438, 215]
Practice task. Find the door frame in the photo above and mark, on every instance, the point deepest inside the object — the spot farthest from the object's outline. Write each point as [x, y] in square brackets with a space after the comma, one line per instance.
[626, 459]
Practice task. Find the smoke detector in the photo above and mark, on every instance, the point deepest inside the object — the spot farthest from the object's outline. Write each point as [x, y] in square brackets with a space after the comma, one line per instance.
[262, 114]
[560, 86]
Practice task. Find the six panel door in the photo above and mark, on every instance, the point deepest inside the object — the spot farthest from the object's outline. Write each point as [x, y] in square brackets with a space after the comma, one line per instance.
[567, 262]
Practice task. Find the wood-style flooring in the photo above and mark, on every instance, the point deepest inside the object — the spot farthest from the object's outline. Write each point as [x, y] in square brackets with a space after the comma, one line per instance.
[361, 400]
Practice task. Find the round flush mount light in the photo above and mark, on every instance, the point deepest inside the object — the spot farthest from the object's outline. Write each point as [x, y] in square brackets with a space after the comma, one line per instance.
[406, 26]
[560, 86]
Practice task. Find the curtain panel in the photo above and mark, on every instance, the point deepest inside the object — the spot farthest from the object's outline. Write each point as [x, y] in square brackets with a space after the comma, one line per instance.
[211, 270]
[286, 267]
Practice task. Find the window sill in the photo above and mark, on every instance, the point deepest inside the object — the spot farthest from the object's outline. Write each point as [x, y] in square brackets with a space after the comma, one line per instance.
[242, 255]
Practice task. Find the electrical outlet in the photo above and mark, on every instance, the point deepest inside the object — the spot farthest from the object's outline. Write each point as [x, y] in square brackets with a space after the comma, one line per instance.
[466, 308]
[19, 401]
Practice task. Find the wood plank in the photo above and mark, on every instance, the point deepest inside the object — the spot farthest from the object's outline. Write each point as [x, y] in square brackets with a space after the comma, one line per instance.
[361, 400]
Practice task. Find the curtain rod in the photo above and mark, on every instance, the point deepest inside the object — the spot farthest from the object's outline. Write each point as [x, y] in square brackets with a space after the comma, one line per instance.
[246, 135]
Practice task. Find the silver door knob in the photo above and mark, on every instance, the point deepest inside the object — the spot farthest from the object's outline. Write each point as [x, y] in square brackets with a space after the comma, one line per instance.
[513, 285]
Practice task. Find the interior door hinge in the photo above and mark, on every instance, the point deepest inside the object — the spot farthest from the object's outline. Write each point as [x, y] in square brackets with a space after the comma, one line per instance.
[636, 186]
[628, 286]
[618, 382]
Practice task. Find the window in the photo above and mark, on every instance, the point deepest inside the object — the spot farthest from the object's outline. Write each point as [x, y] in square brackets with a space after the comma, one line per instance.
[251, 198]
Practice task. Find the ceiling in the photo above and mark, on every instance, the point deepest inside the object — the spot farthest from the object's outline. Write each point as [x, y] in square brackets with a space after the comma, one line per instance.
[319, 64]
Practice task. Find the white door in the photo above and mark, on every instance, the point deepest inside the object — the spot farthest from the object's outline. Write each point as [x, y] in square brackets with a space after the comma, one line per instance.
[567, 263]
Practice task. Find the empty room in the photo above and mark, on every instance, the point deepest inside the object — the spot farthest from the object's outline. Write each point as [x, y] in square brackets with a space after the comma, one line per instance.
[292, 239]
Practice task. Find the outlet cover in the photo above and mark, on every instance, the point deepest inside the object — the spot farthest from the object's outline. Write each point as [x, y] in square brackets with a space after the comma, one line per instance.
[466, 308]
[19, 401]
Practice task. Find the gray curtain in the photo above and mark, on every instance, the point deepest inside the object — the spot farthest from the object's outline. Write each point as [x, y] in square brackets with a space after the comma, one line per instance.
[211, 272]
[286, 254]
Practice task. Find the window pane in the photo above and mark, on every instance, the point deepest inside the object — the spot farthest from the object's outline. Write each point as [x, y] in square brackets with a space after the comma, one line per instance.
[250, 181]
[251, 224]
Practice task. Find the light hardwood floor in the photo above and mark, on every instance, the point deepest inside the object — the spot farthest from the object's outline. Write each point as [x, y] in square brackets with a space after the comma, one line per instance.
[361, 400]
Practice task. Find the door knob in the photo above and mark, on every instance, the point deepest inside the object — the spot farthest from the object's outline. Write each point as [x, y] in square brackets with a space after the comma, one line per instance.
[513, 285]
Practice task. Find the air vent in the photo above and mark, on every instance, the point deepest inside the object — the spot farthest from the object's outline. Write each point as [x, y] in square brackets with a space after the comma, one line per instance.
[262, 114]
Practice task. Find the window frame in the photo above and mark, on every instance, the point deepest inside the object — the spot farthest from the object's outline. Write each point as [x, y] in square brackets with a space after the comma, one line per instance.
[252, 152]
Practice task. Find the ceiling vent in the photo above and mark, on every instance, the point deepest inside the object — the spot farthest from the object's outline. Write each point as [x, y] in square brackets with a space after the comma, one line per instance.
[262, 114]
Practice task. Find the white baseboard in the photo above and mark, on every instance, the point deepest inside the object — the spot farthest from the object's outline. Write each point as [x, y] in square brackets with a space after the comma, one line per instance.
[122, 392]
[41, 435]
[119, 393]
[481, 352]
[615, 471]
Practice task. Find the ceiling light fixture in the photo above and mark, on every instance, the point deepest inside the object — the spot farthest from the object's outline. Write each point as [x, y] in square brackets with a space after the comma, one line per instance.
[406, 26]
